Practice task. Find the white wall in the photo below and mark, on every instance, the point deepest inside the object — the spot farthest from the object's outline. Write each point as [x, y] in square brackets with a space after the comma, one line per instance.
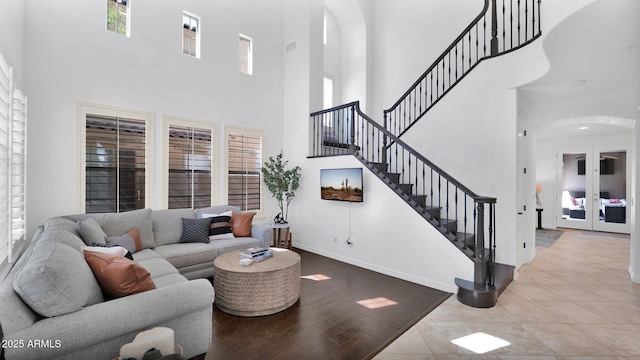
[386, 235]
[408, 36]
[78, 60]
[11, 35]
[332, 52]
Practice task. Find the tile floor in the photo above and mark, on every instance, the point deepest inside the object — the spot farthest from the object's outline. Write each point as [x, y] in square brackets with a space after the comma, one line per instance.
[574, 301]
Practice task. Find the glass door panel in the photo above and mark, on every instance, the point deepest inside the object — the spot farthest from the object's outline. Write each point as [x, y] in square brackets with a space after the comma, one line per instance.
[576, 204]
[611, 189]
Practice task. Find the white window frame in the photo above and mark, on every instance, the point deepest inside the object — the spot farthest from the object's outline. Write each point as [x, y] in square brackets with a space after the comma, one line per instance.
[195, 17]
[84, 109]
[232, 129]
[169, 121]
[248, 61]
[128, 18]
[324, 30]
[13, 148]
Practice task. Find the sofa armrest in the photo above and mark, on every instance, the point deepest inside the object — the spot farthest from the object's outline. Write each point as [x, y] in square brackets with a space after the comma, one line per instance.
[262, 232]
[112, 319]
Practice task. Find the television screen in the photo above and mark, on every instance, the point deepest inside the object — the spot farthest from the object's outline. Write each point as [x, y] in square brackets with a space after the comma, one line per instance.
[341, 184]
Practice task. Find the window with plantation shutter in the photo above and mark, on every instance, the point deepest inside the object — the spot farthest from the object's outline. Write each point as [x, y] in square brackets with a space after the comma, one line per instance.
[118, 16]
[18, 170]
[13, 122]
[244, 161]
[190, 170]
[190, 35]
[246, 55]
[115, 163]
[5, 158]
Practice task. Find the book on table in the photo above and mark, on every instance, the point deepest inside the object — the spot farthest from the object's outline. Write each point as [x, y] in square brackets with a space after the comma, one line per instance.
[264, 256]
[253, 252]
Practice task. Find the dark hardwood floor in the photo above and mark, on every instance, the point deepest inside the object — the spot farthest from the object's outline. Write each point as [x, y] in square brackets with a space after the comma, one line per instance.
[327, 322]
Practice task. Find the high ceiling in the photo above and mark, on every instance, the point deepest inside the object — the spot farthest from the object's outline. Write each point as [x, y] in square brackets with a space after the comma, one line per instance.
[596, 50]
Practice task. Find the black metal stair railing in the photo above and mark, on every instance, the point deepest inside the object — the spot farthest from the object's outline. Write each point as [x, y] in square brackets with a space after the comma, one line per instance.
[465, 218]
[501, 27]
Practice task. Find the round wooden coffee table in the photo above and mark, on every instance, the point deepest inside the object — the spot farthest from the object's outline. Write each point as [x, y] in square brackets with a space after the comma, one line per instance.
[262, 288]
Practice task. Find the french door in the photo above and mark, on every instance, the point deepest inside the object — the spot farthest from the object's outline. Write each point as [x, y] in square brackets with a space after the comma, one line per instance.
[594, 187]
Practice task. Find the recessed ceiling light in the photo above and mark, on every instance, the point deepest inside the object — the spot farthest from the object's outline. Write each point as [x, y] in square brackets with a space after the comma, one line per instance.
[583, 128]
[579, 82]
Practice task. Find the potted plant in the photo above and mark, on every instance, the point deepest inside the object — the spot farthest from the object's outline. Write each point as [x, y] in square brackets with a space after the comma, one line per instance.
[281, 183]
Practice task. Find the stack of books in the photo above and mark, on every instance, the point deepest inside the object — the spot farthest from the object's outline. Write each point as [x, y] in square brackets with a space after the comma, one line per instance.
[256, 253]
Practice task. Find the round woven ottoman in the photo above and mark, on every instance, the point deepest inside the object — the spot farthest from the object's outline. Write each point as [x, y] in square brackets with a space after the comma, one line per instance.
[262, 288]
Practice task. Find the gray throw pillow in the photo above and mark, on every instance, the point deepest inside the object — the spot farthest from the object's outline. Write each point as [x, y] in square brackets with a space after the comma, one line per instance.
[195, 230]
[90, 231]
[56, 279]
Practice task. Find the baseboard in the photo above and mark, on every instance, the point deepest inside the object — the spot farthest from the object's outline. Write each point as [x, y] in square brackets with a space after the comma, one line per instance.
[450, 288]
[633, 276]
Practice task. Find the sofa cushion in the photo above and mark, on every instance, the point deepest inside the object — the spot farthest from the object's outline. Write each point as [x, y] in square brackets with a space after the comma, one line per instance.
[195, 230]
[118, 276]
[130, 240]
[158, 267]
[167, 224]
[238, 243]
[55, 279]
[241, 223]
[145, 255]
[90, 231]
[180, 255]
[114, 224]
[65, 237]
[61, 223]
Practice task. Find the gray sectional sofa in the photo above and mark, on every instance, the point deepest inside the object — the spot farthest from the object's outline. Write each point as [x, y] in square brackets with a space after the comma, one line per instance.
[52, 307]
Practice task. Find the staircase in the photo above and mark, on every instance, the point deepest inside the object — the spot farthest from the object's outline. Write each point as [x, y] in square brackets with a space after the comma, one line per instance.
[463, 217]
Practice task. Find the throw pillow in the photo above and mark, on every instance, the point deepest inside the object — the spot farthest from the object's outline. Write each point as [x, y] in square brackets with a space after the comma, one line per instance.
[117, 275]
[220, 226]
[90, 231]
[241, 223]
[129, 241]
[195, 230]
[113, 250]
[55, 279]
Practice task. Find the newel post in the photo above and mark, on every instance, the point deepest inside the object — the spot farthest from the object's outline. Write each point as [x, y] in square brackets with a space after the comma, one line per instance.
[480, 271]
[384, 143]
[352, 139]
[494, 28]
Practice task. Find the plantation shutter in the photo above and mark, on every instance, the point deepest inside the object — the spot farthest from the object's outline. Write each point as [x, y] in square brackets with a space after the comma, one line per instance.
[13, 119]
[245, 53]
[18, 170]
[245, 159]
[5, 158]
[189, 167]
[115, 164]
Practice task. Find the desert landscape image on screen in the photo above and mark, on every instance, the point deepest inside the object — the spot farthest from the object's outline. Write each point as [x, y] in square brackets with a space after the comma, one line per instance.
[341, 184]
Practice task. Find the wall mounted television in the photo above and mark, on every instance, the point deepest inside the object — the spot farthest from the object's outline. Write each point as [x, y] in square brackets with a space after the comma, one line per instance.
[341, 184]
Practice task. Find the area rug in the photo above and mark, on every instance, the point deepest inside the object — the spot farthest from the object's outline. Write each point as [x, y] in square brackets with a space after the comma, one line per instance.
[546, 237]
[344, 312]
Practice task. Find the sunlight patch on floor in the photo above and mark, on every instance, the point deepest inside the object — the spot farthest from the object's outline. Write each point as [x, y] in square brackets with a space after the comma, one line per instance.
[480, 343]
[376, 302]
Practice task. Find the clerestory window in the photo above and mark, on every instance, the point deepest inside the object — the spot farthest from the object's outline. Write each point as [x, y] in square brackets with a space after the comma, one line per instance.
[118, 16]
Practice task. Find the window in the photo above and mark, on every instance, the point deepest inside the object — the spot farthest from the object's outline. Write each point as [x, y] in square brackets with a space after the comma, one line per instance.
[246, 55]
[118, 16]
[13, 118]
[244, 156]
[190, 175]
[327, 93]
[327, 102]
[190, 35]
[324, 30]
[115, 165]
